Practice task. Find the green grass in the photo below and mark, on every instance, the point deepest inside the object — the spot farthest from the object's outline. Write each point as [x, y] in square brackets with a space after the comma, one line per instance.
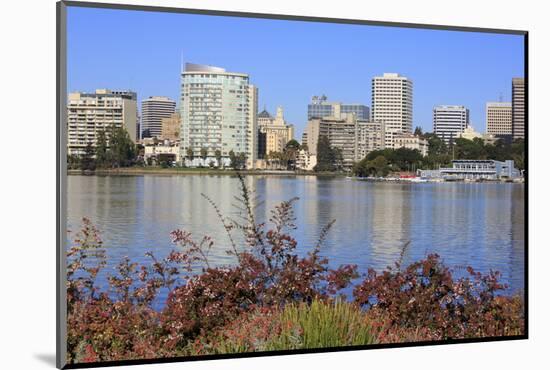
[321, 325]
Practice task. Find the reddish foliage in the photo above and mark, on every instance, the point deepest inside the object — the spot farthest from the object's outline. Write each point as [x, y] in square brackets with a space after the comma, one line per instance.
[424, 295]
[421, 302]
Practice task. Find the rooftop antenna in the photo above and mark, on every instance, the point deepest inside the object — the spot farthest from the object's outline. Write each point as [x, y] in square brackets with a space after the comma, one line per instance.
[500, 98]
[181, 63]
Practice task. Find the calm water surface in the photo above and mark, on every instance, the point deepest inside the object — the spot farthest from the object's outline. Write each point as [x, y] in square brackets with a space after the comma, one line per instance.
[478, 224]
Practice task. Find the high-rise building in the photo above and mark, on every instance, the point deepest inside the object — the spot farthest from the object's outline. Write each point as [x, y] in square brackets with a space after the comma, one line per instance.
[320, 107]
[450, 121]
[499, 119]
[89, 113]
[277, 131]
[153, 110]
[518, 108]
[252, 129]
[218, 112]
[392, 104]
[354, 138]
[170, 127]
[369, 136]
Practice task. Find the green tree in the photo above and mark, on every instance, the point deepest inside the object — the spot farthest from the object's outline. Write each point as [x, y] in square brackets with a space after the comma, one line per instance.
[87, 160]
[379, 166]
[232, 159]
[237, 160]
[469, 149]
[375, 167]
[517, 153]
[73, 161]
[190, 154]
[241, 158]
[327, 157]
[122, 149]
[102, 149]
[204, 154]
[290, 153]
[418, 131]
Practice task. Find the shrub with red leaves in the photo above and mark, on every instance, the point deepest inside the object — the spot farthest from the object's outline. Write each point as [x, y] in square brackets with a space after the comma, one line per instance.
[420, 302]
[269, 274]
[424, 300]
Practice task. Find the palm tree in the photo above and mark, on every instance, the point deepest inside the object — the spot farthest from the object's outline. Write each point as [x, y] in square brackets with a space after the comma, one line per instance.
[204, 155]
[190, 154]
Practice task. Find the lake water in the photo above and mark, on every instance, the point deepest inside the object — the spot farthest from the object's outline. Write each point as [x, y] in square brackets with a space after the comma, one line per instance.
[475, 224]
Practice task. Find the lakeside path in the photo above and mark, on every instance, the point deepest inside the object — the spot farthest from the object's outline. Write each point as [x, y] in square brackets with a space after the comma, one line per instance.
[137, 171]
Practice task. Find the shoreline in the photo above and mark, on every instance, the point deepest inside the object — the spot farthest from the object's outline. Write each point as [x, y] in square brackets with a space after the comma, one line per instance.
[134, 171]
[142, 171]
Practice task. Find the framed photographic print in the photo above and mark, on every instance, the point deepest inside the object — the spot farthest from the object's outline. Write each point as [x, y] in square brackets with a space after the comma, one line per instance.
[236, 184]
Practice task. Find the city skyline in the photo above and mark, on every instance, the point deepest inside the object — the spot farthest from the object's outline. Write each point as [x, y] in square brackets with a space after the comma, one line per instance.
[347, 58]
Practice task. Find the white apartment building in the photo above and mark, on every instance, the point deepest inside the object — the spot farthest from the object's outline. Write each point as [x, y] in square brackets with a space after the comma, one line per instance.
[218, 112]
[392, 104]
[306, 161]
[89, 113]
[413, 142]
[153, 110]
[449, 121]
[160, 150]
[499, 118]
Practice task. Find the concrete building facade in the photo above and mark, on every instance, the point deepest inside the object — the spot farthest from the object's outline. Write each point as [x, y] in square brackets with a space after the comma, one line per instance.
[518, 108]
[369, 136]
[218, 112]
[89, 113]
[499, 119]
[153, 110]
[449, 121]
[354, 138]
[170, 127]
[306, 161]
[412, 142]
[392, 104]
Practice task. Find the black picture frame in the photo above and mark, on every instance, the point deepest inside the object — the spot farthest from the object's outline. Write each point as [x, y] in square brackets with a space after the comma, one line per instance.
[61, 175]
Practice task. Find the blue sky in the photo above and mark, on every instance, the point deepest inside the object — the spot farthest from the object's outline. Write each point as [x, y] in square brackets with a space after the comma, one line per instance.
[291, 61]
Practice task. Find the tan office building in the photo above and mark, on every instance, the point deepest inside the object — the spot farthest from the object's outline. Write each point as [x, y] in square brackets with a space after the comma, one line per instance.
[354, 138]
[499, 118]
[277, 131]
[171, 127]
[410, 141]
[89, 113]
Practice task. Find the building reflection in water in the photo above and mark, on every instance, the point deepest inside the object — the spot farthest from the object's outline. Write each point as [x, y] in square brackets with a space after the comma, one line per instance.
[467, 224]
